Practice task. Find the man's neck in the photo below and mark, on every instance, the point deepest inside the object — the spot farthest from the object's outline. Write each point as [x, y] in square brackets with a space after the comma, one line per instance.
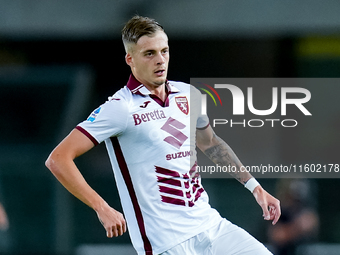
[159, 91]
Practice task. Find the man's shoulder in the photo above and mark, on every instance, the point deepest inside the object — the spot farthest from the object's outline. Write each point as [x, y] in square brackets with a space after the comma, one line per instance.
[178, 84]
[182, 86]
[121, 95]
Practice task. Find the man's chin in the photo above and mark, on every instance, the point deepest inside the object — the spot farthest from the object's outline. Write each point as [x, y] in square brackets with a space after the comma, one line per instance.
[160, 82]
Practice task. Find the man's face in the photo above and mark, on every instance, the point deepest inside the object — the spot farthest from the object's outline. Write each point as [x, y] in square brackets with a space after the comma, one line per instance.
[149, 59]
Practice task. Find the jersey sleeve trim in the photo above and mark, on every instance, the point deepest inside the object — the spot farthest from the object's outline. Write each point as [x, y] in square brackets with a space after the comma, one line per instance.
[202, 128]
[95, 142]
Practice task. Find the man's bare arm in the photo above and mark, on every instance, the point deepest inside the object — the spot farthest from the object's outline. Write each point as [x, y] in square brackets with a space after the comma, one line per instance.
[221, 154]
[61, 164]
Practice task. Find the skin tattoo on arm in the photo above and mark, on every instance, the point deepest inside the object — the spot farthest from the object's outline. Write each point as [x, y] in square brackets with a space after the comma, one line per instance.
[221, 154]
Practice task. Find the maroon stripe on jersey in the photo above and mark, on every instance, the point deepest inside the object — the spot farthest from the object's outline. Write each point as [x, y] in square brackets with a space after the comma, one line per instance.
[95, 142]
[173, 201]
[193, 172]
[159, 101]
[193, 169]
[202, 128]
[127, 178]
[169, 181]
[171, 191]
[132, 83]
[198, 194]
[165, 171]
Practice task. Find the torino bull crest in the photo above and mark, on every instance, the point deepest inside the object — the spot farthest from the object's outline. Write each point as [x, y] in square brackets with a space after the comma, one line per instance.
[183, 105]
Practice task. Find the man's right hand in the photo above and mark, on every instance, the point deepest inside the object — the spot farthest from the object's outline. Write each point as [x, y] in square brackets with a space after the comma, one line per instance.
[112, 220]
[61, 164]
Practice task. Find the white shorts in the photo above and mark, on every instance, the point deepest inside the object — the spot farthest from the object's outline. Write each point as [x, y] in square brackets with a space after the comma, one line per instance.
[223, 239]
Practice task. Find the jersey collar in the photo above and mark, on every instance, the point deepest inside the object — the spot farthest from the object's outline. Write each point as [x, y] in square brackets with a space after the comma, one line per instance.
[138, 88]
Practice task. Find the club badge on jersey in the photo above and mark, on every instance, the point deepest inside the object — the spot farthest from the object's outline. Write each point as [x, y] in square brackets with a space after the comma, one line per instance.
[182, 103]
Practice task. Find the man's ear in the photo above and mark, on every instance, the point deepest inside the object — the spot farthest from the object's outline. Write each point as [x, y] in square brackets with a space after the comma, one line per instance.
[128, 59]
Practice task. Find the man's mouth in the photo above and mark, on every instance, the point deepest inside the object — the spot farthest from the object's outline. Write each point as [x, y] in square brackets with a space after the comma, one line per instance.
[160, 72]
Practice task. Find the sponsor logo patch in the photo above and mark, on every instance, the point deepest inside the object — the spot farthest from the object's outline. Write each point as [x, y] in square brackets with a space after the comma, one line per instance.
[94, 114]
[145, 104]
[149, 116]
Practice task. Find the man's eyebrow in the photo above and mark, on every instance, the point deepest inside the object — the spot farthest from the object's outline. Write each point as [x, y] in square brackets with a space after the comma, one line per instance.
[152, 51]
[149, 50]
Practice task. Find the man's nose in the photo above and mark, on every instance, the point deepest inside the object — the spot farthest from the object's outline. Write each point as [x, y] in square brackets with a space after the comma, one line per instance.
[160, 60]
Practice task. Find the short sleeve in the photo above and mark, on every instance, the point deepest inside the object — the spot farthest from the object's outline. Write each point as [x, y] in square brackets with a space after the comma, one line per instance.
[110, 119]
[202, 120]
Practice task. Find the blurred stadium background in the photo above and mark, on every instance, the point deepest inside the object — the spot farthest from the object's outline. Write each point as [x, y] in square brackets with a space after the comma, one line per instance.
[60, 59]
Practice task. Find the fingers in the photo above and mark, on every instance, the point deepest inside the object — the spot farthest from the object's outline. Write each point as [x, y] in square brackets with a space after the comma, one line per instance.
[273, 213]
[121, 227]
[116, 230]
[266, 214]
[269, 204]
[276, 212]
[113, 222]
[120, 230]
[109, 233]
[124, 227]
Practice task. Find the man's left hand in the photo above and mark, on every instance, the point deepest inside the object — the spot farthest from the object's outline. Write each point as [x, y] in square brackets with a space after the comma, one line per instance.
[269, 204]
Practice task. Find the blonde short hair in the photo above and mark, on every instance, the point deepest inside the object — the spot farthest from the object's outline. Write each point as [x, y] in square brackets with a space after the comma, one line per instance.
[137, 27]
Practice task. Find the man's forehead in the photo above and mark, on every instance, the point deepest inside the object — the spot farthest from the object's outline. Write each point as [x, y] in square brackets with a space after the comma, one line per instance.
[157, 39]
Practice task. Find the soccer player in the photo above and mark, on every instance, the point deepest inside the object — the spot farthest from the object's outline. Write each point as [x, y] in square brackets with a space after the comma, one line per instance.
[151, 128]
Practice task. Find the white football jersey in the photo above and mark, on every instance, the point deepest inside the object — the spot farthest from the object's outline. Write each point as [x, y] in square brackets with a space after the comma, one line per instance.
[152, 149]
